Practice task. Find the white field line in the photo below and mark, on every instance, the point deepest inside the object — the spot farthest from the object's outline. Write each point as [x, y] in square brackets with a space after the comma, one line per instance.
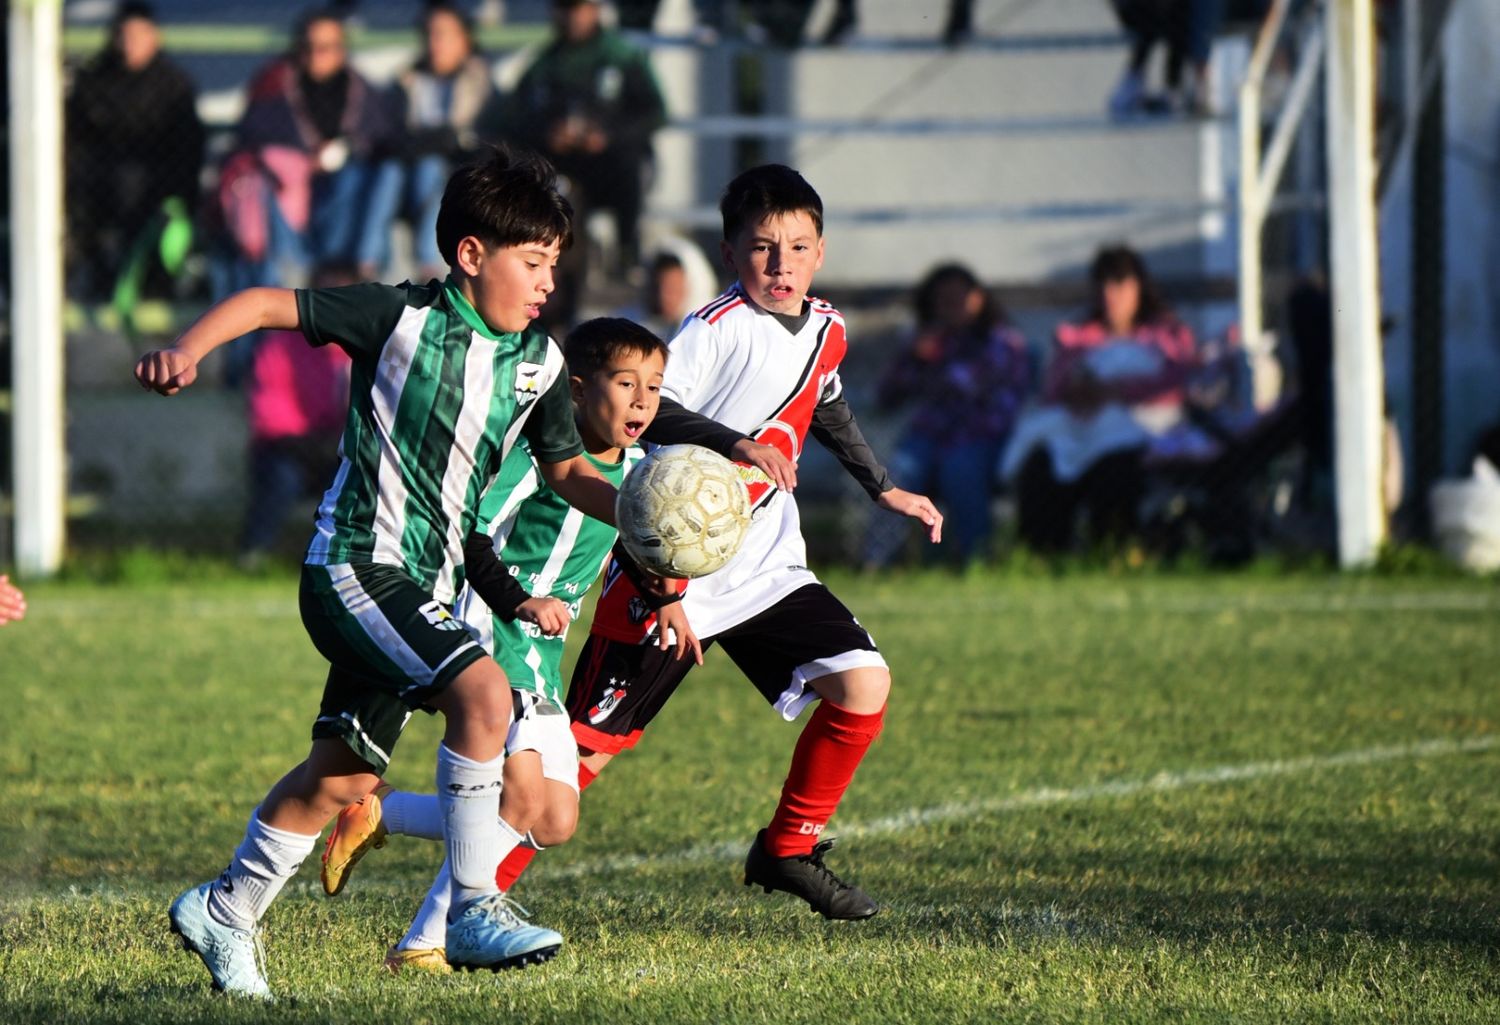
[1040, 797]
[1334, 603]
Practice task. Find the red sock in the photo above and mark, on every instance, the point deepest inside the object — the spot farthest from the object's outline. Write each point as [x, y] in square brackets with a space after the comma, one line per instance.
[516, 861]
[831, 746]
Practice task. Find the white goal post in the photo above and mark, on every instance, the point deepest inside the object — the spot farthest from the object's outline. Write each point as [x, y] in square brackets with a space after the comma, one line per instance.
[1358, 373]
[36, 285]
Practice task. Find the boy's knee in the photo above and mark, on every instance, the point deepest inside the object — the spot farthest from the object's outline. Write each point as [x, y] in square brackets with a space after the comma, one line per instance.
[556, 826]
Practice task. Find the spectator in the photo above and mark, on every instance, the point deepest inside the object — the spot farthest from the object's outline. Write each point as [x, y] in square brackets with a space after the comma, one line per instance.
[297, 187]
[1148, 23]
[957, 28]
[965, 373]
[296, 396]
[134, 143]
[590, 103]
[664, 301]
[443, 105]
[1114, 383]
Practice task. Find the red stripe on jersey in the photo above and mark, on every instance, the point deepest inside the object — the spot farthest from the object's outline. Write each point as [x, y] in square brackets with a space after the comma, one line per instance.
[714, 318]
[786, 428]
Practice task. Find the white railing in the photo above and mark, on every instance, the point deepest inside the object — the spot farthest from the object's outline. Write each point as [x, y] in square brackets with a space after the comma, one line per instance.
[1261, 173]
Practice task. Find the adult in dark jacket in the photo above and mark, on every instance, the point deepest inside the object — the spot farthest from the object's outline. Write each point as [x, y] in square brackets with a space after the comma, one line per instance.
[590, 103]
[134, 139]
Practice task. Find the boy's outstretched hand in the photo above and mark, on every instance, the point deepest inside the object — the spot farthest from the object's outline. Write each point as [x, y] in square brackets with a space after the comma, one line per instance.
[918, 507]
[770, 461]
[672, 628]
[166, 371]
[549, 614]
[12, 601]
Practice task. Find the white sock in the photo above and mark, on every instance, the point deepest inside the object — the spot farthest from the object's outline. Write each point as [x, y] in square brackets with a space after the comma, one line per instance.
[429, 930]
[408, 814]
[469, 795]
[264, 861]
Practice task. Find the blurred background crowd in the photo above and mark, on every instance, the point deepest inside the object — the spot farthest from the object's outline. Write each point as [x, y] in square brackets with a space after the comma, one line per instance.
[1062, 369]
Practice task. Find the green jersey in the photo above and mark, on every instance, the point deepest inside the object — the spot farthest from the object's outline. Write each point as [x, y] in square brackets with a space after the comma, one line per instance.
[552, 550]
[436, 401]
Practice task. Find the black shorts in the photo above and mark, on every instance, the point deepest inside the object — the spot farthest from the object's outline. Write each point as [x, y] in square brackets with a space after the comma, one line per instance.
[618, 687]
[392, 646]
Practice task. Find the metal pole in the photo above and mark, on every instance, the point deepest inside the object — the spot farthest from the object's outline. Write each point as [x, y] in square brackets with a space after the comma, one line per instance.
[1358, 381]
[36, 284]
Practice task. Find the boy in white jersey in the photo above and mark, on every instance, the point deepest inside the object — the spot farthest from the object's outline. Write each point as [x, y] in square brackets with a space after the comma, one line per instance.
[762, 359]
[445, 377]
[529, 564]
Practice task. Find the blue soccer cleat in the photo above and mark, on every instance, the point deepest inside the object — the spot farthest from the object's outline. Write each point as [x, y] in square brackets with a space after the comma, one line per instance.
[232, 956]
[486, 933]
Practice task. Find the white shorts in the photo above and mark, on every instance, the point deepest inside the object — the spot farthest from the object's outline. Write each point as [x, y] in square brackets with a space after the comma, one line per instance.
[539, 725]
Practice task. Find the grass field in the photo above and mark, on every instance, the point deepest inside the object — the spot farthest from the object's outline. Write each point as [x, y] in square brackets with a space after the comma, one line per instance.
[1157, 799]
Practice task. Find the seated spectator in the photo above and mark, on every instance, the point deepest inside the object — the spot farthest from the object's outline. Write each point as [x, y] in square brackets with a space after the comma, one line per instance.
[296, 396]
[664, 300]
[134, 150]
[965, 376]
[443, 105]
[296, 188]
[590, 104]
[1113, 384]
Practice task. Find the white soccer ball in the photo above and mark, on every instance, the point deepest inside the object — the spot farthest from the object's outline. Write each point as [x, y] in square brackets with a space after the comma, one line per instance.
[683, 511]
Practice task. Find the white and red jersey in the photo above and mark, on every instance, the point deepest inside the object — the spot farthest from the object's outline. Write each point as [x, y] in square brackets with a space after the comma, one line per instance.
[737, 364]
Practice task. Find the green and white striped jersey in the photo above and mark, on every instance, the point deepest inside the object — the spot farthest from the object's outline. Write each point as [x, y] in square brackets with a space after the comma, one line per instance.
[551, 549]
[436, 401]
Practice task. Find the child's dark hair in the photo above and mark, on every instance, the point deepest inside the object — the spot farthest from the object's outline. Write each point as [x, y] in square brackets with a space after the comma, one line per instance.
[990, 314]
[505, 198]
[767, 191]
[1117, 263]
[592, 344]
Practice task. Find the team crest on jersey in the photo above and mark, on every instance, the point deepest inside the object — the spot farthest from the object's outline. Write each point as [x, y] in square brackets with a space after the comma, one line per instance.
[439, 617]
[528, 381]
[607, 704]
[639, 610]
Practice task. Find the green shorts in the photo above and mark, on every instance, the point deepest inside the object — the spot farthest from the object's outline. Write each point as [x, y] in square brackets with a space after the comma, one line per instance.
[386, 637]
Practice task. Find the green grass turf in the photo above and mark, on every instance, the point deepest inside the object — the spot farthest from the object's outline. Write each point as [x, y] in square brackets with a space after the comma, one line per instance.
[1152, 799]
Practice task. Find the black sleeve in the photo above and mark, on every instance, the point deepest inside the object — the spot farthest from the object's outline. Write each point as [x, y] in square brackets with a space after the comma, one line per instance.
[490, 578]
[834, 426]
[676, 425]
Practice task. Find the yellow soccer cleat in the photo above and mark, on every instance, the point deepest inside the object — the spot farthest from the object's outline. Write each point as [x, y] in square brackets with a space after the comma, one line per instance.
[358, 828]
[434, 961]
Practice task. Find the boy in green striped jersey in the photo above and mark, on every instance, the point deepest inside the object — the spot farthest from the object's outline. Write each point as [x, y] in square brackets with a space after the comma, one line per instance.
[445, 378]
[529, 566]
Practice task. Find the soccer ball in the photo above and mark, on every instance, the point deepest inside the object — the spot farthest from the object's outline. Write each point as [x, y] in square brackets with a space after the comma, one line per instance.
[683, 511]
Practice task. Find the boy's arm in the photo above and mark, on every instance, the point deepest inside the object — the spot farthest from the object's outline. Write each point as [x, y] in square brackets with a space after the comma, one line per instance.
[490, 577]
[168, 371]
[834, 426]
[675, 424]
[581, 486]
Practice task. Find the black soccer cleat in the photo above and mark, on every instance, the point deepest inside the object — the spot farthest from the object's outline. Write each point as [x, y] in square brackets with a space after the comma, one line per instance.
[805, 876]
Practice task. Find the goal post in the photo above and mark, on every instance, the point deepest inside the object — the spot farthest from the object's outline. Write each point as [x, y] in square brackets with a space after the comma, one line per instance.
[1358, 374]
[38, 463]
